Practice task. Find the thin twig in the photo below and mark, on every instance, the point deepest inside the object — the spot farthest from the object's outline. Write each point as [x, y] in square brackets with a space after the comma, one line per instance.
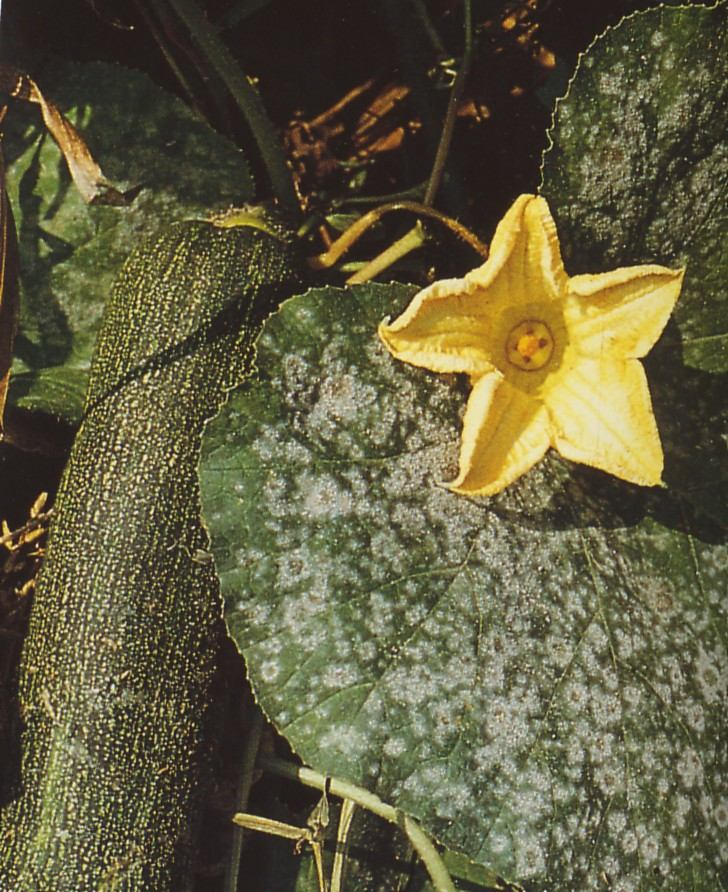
[427, 26]
[340, 104]
[27, 527]
[312, 834]
[342, 841]
[414, 193]
[273, 828]
[443, 148]
[250, 754]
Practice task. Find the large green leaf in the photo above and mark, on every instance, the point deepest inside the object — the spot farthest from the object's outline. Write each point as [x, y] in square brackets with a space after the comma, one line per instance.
[541, 677]
[145, 140]
[638, 173]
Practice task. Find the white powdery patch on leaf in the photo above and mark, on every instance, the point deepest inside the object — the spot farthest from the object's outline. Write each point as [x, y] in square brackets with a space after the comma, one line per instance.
[538, 679]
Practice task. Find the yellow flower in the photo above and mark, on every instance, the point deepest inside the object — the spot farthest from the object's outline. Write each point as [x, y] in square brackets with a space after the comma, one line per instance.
[553, 360]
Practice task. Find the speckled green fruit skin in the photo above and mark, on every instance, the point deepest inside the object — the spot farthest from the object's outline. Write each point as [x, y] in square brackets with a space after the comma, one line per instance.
[115, 676]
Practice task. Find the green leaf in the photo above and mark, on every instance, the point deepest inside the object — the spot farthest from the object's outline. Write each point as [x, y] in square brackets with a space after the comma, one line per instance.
[539, 677]
[58, 391]
[637, 172]
[145, 140]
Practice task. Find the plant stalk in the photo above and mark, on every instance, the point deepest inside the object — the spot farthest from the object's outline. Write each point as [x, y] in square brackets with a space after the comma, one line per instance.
[250, 754]
[438, 166]
[357, 229]
[410, 241]
[421, 842]
[246, 97]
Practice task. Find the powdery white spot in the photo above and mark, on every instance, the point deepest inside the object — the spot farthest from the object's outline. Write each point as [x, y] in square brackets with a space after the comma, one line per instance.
[712, 676]
[323, 497]
[394, 747]
[720, 814]
[690, 769]
[530, 859]
[339, 677]
[270, 670]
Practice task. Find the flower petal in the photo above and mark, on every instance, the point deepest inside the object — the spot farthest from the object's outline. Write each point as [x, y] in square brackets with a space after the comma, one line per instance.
[456, 325]
[525, 264]
[621, 313]
[505, 432]
[443, 330]
[601, 415]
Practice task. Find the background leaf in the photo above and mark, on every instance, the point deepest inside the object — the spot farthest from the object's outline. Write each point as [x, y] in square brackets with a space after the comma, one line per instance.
[638, 167]
[638, 173]
[146, 140]
[540, 677]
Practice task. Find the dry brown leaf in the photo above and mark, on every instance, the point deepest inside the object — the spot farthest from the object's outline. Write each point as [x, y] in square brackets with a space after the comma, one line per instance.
[89, 180]
[86, 173]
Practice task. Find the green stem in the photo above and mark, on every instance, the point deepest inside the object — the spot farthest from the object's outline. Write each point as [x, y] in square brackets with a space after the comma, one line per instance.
[245, 95]
[414, 193]
[427, 26]
[421, 842]
[443, 148]
[410, 241]
[250, 754]
[357, 230]
[161, 42]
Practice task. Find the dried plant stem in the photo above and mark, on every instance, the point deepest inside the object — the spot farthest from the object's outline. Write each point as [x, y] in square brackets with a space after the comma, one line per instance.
[421, 842]
[415, 237]
[342, 839]
[29, 526]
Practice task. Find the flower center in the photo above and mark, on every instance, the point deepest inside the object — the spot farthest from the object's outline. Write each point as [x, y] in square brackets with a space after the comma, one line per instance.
[529, 345]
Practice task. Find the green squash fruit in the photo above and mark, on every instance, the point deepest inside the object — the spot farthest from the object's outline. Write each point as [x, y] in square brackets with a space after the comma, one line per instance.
[116, 670]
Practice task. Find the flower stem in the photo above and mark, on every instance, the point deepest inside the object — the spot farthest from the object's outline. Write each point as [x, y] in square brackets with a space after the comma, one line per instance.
[410, 241]
[420, 841]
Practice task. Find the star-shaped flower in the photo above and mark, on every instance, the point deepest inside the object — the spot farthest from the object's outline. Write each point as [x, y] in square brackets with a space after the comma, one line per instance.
[553, 360]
